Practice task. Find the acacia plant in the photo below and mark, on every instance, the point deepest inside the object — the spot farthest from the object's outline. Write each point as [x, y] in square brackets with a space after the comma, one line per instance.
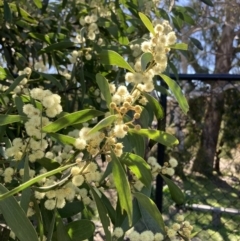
[76, 83]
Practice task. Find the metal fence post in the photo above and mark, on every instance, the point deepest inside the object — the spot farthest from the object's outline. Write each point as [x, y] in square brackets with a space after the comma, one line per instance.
[161, 152]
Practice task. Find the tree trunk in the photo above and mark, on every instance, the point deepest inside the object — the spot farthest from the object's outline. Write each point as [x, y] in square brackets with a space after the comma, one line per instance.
[208, 143]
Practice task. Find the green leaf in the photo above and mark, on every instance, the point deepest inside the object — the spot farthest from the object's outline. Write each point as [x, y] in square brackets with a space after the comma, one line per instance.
[26, 194]
[146, 58]
[71, 209]
[48, 164]
[104, 87]
[72, 119]
[197, 43]
[53, 80]
[107, 203]
[181, 46]
[110, 57]
[7, 12]
[33, 181]
[176, 193]
[57, 46]
[103, 123]
[62, 234]
[3, 73]
[102, 211]
[8, 119]
[42, 37]
[25, 15]
[138, 166]
[151, 208]
[80, 230]
[122, 186]
[158, 136]
[68, 140]
[138, 143]
[207, 2]
[16, 218]
[177, 92]
[38, 3]
[15, 83]
[147, 22]
[156, 107]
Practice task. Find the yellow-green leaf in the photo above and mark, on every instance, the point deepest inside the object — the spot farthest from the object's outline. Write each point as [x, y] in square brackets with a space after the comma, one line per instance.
[122, 186]
[147, 22]
[104, 87]
[177, 92]
[155, 105]
[103, 123]
[181, 46]
[16, 218]
[110, 57]
[151, 208]
[176, 193]
[8, 119]
[71, 119]
[138, 166]
[158, 136]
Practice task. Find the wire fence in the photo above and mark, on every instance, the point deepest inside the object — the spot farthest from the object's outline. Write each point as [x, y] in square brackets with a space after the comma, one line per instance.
[212, 201]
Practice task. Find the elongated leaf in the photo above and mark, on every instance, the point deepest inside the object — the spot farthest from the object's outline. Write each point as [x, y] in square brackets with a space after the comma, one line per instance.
[122, 186]
[102, 211]
[43, 37]
[207, 2]
[38, 3]
[57, 46]
[107, 203]
[138, 143]
[177, 92]
[158, 136]
[104, 87]
[16, 218]
[3, 73]
[181, 46]
[8, 119]
[71, 209]
[151, 208]
[146, 58]
[62, 234]
[71, 119]
[147, 22]
[33, 181]
[138, 166]
[197, 43]
[15, 83]
[7, 12]
[26, 194]
[68, 140]
[103, 123]
[80, 230]
[110, 57]
[176, 193]
[47, 163]
[157, 108]
[25, 15]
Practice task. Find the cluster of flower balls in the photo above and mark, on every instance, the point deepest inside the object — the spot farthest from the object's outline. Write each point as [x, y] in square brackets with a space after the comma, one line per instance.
[178, 230]
[159, 46]
[167, 168]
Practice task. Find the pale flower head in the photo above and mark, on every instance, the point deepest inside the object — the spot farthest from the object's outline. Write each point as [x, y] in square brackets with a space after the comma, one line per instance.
[118, 232]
